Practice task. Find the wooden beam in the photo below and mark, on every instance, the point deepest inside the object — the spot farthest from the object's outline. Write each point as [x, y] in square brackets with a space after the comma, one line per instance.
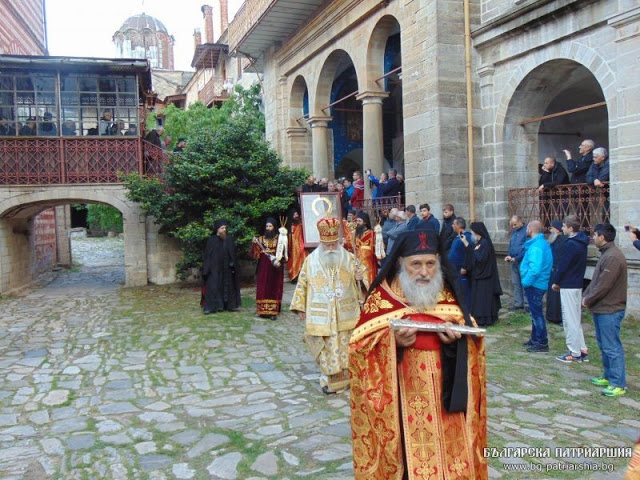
[563, 113]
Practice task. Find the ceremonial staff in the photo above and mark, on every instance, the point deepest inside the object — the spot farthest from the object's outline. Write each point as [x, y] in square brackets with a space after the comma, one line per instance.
[272, 258]
[357, 263]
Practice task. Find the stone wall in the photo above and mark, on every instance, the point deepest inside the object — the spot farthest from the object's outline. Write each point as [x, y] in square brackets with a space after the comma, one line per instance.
[22, 27]
[45, 241]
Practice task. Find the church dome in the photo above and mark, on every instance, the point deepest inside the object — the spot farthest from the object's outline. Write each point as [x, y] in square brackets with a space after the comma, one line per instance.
[141, 22]
[144, 36]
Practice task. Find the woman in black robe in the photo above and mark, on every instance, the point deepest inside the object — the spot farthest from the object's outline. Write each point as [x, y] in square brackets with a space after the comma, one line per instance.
[222, 291]
[554, 305]
[483, 271]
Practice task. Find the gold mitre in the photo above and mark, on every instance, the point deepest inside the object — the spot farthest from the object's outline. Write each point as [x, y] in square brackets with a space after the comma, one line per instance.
[329, 229]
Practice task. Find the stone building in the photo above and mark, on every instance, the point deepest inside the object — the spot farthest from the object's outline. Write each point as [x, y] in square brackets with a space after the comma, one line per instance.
[23, 32]
[372, 84]
[216, 72]
[144, 36]
[22, 27]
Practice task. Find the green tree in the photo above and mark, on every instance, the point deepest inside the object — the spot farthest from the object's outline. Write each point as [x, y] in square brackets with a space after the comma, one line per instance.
[226, 171]
[104, 218]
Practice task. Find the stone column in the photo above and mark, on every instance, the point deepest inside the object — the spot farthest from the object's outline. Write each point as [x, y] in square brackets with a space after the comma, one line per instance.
[135, 246]
[320, 140]
[372, 134]
[299, 152]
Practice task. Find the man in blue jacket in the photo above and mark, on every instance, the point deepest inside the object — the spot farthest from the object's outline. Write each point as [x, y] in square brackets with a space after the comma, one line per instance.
[535, 271]
[568, 280]
[516, 253]
[598, 172]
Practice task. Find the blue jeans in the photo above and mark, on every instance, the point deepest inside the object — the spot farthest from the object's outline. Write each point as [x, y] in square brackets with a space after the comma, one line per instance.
[518, 296]
[538, 325]
[608, 338]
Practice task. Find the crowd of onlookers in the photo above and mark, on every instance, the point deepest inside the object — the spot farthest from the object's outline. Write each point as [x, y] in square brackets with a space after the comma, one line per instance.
[46, 125]
[351, 189]
[592, 167]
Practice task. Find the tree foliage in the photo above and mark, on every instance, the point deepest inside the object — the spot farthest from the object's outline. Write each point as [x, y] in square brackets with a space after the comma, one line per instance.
[226, 171]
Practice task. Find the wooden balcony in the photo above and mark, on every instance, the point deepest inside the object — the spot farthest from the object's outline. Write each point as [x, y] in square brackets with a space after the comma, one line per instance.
[215, 90]
[76, 160]
[259, 24]
[589, 203]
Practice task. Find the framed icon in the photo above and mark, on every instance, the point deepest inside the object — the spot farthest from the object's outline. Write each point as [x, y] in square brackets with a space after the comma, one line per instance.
[313, 207]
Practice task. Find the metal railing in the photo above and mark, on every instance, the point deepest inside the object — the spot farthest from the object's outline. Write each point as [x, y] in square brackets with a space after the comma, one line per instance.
[378, 208]
[80, 160]
[217, 88]
[589, 203]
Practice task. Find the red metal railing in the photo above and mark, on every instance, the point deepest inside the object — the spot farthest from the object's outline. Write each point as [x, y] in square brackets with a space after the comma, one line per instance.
[376, 207]
[589, 203]
[47, 161]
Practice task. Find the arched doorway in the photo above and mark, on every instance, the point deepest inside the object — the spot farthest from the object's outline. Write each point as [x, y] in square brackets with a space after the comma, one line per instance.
[384, 70]
[556, 106]
[553, 87]
[334, 104]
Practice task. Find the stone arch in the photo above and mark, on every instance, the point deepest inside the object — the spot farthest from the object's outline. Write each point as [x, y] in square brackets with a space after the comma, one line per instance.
[553, 86]
[334, 64]
[297, 94]
[19, 204]
[576, 52]
[374, 66]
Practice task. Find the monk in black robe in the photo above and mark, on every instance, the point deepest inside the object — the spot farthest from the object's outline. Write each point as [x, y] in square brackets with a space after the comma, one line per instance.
[485, 282]
[222, 291]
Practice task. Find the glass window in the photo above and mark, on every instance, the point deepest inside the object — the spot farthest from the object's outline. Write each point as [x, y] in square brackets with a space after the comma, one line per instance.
[6, 82]
[45, 84]
[101, 98]
[69, 83]
[24, 83]
[87, 84]
[107, 84]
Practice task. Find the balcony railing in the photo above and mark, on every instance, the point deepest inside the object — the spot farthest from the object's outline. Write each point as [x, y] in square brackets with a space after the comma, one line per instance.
[217, 88]
[246, 18]
[589, 203]
[64, 160]
[378, 208]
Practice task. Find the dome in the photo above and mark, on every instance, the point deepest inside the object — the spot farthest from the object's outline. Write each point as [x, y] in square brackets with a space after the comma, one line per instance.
[143, 22]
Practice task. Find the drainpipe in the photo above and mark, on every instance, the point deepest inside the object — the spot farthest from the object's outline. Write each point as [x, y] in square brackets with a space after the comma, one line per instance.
[467, 65]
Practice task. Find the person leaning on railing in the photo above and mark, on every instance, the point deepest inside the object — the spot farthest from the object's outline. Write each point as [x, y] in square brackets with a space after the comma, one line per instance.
[598, 173]
[552, 174]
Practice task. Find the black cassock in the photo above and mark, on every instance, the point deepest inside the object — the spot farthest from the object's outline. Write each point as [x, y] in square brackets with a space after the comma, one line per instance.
[222, 291]
[485, 283]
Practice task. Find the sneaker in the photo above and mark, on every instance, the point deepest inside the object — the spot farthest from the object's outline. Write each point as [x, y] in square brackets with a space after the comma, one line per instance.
[600, 381]
[585, 356]
[528, 343]
[614, 391]
[538, 347]
[569, 358]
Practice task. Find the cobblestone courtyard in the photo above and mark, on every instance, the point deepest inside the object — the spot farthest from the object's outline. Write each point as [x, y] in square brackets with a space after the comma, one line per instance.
[98, 381]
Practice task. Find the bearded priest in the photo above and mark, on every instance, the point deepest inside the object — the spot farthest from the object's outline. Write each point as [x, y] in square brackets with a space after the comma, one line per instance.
[327, 300]
[418, 401]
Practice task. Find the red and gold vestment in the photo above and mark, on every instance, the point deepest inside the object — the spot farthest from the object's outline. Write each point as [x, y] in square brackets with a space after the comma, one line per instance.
[398, 418]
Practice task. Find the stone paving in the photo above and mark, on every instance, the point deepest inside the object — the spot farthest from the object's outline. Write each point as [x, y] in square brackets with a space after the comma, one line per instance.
[98, 381]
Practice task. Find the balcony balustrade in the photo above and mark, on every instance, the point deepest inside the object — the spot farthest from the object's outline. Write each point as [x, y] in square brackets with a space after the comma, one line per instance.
[589, 203]
[81, 160]
[217, 88]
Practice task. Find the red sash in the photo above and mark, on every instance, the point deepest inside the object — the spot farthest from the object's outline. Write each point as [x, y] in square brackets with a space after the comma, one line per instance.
[426, 340]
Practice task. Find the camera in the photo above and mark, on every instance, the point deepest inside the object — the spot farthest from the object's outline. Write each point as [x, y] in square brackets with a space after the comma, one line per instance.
[627, 228]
